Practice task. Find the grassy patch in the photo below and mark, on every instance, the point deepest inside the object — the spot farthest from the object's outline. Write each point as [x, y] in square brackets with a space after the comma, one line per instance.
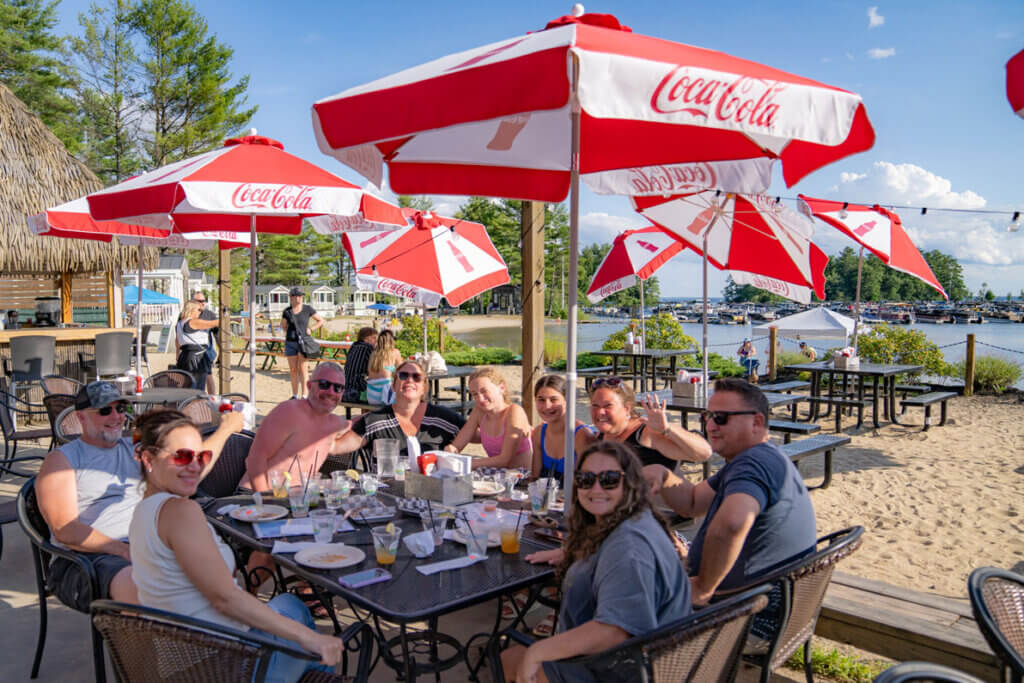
[838, 666]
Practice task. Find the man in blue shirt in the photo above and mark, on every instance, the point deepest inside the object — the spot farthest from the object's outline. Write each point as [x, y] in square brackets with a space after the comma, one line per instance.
[757, 512]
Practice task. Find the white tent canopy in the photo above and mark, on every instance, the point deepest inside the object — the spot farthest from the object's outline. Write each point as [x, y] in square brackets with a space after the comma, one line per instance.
[815, 323]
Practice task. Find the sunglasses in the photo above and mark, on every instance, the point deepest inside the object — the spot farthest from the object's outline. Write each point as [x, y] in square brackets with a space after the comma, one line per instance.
[337, 387]
[722, 416]
[609, 479]
[405, 376]
[610, 382]
[121, 409]
[183, 457]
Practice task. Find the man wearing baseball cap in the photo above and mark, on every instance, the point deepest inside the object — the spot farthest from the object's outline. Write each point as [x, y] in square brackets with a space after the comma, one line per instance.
[87, 492]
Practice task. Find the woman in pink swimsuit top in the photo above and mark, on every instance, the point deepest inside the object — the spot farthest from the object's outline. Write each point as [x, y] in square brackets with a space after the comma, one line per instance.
[500, 426]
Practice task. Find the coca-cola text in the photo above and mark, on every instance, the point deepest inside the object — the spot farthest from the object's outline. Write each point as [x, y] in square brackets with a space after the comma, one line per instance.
[746, 101]
[396, 288]
[672, 179]
[276, 197]
[770, 284]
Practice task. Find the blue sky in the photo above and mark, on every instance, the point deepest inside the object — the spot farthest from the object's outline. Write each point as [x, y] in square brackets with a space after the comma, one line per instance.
[932, 76]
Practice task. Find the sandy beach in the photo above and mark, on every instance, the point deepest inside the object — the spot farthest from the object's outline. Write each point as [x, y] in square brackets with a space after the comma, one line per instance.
[935, 504]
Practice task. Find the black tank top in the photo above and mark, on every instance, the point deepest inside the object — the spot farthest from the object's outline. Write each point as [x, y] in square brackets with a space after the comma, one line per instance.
[648, 456]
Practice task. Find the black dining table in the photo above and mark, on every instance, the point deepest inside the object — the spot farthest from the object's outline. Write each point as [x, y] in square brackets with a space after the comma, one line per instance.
[647, 358]
[462, 372]
[700, 403]
[408, 596]
[883, 374]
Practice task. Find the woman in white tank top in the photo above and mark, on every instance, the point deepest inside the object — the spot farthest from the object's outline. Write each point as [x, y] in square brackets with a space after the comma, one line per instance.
[181, 565]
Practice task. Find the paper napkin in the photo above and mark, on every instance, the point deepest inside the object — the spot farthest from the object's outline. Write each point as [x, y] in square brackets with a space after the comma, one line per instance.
[457, 563]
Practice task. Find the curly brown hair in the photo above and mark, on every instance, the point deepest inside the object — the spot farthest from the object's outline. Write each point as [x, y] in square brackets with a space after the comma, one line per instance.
[587, 532]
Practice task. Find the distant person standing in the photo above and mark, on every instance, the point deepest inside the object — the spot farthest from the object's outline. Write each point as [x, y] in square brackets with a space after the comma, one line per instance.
[295, 321]
[211, 350]
[192, 337]
[808, 351]
[357, 363]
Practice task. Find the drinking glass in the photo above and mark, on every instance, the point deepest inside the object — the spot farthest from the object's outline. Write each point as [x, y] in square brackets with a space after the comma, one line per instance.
[386, 452]
[335, 493]
[368, 483]
[436, 525]
[401, 464]
[299, 501]
[323, 525]
[538, 495]
[278, 484]
[476, 540]
[386, 543]
[511, 530]
[340, 481]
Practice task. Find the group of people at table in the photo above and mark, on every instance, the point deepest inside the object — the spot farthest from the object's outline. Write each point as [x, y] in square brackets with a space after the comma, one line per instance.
[623, 572]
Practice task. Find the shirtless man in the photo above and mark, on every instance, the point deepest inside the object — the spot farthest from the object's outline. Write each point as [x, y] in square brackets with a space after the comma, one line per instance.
[306, 427]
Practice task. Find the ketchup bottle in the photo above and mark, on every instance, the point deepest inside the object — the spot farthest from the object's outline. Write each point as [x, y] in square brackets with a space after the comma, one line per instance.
[225, 406]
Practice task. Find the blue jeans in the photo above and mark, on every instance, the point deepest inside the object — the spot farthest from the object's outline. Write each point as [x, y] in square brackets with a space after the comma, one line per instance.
[282, 668]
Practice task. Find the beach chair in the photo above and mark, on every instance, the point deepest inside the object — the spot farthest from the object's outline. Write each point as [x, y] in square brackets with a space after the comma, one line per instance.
[12, 407]
[705, 646]
[229, 469]
[57, 384]
[997, 600]
[910, 672]
[201, 410]
[170, 379]
[149, 644]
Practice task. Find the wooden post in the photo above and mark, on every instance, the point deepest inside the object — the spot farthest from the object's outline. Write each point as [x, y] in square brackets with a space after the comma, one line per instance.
[66, 309]
[969, 367]
[111, 307]
[224, 309]
[773, 341]
[533, 302]
[440, 335]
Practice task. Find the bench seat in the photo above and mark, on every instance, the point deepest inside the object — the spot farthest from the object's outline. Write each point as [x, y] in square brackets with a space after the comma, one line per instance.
[788, 428]
[787, 387]
[824, 444]
[841, 402]
[905, 624]
[927, 401]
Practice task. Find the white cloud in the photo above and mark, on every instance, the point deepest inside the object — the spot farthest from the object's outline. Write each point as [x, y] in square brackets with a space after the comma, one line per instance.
[881, 53]
[603, 227]
[874, 18]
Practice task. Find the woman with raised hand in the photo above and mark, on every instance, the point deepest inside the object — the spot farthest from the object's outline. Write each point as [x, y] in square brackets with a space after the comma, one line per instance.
[180, 564]
[192, 340]
[656, 442]
[620, 570]
[501, 426]
[383, 361]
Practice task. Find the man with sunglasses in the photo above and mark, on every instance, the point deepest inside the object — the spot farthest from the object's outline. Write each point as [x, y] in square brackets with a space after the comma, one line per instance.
[757, 512]
[298, 435]
[87, 492]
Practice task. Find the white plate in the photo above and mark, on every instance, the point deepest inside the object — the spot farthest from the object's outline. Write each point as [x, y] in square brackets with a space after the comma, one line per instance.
[487, 488]
[250, 513]
[330, 556]
[457, 536]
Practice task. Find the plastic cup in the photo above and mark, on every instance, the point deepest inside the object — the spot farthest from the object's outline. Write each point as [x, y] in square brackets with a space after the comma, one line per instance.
[386, 544]
[299, 501]
[368, 483]
[386, 452]
[323, 525]
[401, 464]
[538, 495]
[476, 540]
[436, 525]
[510, 533]
[278, 484]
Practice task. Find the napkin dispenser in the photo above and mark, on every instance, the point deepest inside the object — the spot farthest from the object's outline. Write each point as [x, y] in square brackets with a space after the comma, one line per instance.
[841, 362]
[453, 490]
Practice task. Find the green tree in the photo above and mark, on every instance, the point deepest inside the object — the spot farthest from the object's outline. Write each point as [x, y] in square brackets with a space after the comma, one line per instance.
[30, 65]
[898, 344]
[190, 103]
[990, 295]
[663, 332]
[418, 202]
[501, 218]
[590, 260]
[106, 90]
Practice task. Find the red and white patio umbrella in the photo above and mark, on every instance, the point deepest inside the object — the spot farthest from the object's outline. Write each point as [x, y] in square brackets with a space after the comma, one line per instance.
[1015, 83]
[251, 184]
[758, 239]
[588, 98]
[878, 230]
[635, 256]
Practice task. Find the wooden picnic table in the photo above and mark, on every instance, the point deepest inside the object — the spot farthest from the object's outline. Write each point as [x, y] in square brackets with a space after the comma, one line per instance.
[882, 373]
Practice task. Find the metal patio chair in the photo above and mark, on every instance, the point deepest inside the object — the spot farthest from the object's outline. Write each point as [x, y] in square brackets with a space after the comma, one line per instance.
[997, 600]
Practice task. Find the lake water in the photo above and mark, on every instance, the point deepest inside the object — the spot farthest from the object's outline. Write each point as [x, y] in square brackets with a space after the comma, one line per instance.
[725, 339]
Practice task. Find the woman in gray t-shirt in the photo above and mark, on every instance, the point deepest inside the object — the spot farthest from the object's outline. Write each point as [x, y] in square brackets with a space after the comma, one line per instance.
[622, 575]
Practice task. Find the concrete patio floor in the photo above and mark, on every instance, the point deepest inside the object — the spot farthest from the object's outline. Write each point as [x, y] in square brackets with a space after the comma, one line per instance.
[68, 657]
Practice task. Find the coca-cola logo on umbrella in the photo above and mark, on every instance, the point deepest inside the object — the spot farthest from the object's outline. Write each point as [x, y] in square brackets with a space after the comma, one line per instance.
[770, 284]
[744, 100]
[610, 289]
[276, 197]
[672, 179]
[396, 288]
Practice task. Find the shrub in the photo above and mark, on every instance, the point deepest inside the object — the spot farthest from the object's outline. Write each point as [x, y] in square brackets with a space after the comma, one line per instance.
[663, 332]
[410, 339]
[888, 344]
[554, 352]
[991, 373]
[479, 356]
[584, 360]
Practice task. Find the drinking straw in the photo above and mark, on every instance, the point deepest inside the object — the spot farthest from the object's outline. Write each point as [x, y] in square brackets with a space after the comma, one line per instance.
[309, 477]
[292, 463]
[519, 518]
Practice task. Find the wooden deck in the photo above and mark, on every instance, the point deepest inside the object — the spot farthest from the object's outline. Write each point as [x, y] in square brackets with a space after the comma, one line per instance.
[905, 625]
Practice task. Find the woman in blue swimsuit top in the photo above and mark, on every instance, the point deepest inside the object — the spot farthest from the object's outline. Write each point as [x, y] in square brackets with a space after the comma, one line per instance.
[549, 437]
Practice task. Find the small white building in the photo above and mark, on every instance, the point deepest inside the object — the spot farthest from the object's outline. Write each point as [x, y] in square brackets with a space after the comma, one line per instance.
[271, 300]
[352, 301]
[171, 277]
[200, 281]
[322, 301]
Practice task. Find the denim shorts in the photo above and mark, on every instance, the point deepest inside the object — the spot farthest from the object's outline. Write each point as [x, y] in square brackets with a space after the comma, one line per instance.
[71, 586]
[291, 348]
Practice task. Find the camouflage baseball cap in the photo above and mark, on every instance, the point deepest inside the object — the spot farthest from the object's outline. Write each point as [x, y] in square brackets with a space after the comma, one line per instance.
[97, 395]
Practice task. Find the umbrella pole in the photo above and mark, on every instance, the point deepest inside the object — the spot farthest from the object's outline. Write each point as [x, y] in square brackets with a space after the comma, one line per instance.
[704, 317]
[252, 309]
[139, 341]
[424, 329]
[643, 322]
[574, 240]
[856, 315]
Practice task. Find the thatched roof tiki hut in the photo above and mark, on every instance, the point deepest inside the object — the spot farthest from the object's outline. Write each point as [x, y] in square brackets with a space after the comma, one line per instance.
[37, 172]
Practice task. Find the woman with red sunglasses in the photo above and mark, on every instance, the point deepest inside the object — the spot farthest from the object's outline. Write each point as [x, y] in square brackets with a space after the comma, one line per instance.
[622, 575]
[181, 565]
